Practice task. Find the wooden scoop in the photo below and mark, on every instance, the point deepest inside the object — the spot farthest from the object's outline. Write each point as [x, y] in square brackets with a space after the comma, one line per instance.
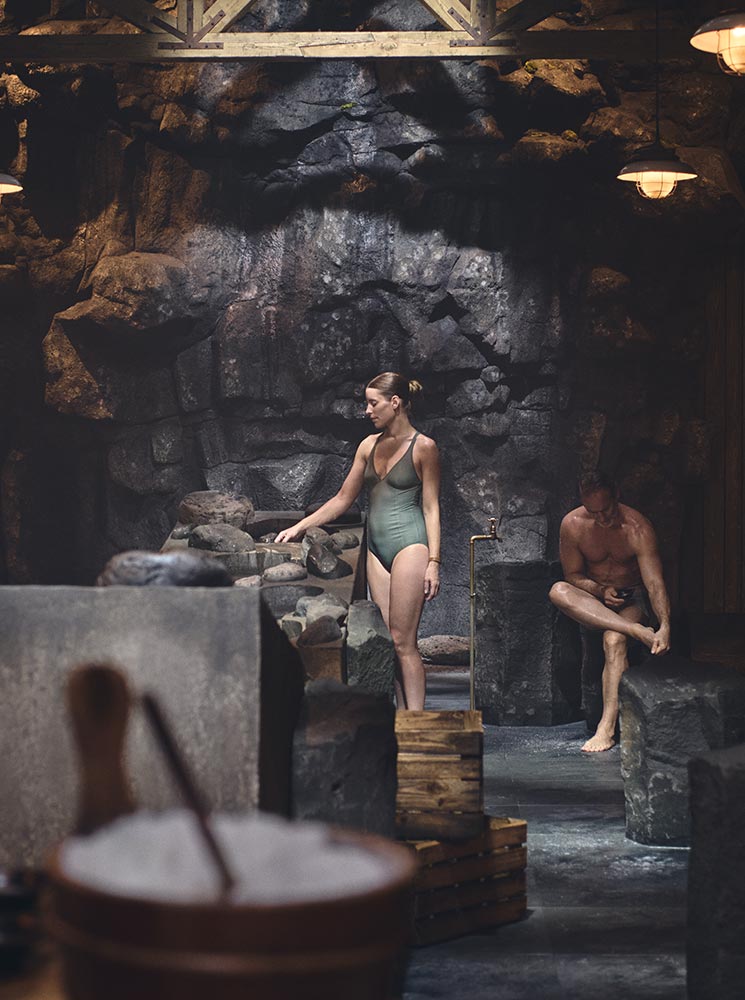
[98, 701]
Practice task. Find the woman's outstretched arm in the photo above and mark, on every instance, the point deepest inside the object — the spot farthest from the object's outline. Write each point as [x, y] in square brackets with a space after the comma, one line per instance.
[340, 502]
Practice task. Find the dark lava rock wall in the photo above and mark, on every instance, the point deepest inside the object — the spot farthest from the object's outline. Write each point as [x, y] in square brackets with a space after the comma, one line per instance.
[209, 261]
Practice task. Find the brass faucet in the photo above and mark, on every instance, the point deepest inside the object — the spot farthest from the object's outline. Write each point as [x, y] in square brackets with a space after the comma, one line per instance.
[491, 537]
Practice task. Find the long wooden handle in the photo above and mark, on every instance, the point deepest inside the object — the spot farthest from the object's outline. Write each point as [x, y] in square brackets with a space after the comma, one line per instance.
[98, 701]
[187, 786]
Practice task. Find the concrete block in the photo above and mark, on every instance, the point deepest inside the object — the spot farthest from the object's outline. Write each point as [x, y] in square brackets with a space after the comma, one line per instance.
[226, 676]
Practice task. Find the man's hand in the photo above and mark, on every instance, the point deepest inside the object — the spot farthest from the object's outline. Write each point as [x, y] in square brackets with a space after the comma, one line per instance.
[661, 641]
[611, 598]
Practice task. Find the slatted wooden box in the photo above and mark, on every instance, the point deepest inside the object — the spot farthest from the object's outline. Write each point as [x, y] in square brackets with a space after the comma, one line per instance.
[468, 886]
[440, 775]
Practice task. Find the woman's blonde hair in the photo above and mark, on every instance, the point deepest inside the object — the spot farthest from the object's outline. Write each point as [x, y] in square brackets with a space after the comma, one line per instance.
[394, 384]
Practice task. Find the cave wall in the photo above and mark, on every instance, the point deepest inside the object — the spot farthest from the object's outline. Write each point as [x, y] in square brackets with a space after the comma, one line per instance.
[208, 262]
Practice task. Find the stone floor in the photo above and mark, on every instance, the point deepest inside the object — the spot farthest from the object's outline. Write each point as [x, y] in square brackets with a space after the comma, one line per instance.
[606, 916]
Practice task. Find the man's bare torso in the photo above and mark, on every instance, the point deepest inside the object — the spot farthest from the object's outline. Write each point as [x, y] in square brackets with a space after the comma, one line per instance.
[609, 552]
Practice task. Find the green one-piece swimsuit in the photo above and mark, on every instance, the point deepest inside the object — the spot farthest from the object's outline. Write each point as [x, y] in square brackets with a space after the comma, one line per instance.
[395, 518]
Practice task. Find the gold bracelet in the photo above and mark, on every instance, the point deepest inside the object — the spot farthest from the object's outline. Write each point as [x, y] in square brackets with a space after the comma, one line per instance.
[435, 559]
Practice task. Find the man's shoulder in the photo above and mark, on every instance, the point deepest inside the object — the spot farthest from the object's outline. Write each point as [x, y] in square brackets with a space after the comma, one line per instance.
[574, 520]
[635, 519]
[639, 529]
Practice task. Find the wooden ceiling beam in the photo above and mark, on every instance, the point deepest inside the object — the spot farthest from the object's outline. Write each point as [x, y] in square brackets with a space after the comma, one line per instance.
[617, 46]
[448, 14]
[525, 14]
[224, 13]
[142, 14]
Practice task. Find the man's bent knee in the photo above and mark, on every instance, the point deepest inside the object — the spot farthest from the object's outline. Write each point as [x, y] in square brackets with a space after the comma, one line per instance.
[614, 641]
[560, 594]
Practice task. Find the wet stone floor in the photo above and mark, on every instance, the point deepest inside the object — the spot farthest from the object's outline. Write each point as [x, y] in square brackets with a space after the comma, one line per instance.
[606, 917]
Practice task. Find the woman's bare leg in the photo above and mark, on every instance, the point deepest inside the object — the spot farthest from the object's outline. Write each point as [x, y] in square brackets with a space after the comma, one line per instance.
[406, 600]
[379, 584]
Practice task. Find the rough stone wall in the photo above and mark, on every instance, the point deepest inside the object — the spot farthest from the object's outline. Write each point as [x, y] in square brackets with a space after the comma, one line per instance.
[209, 261]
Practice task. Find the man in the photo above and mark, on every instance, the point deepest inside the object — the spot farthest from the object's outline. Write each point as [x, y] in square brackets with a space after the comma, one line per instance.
[613, 574]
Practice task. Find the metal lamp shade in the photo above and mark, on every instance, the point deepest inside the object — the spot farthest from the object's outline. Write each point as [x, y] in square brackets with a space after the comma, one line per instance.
[9, 185]
[656, 172]
[724, 35]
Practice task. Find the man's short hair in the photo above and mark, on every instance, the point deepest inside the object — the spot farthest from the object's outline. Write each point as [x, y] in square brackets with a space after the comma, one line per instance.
[591, 482]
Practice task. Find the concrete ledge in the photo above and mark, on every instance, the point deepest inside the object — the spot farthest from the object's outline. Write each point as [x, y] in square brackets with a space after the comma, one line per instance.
[228, 679]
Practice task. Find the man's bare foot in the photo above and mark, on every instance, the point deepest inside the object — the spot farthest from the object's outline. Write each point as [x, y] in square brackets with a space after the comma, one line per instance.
[598, 742]
[645, 634]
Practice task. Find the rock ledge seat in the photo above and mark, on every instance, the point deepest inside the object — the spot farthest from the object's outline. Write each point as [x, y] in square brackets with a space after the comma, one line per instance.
[672, 710]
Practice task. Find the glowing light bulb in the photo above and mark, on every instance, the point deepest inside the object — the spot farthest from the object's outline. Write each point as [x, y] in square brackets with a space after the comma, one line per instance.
[724, 36]
[731, 48]
[656, 184]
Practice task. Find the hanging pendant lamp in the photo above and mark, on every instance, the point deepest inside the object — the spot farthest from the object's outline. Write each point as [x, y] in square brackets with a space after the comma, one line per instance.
[9, 185]
[725, 36]
[656, 169]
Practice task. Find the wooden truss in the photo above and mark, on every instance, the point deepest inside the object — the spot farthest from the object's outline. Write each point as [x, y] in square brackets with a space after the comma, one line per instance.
[200, 29]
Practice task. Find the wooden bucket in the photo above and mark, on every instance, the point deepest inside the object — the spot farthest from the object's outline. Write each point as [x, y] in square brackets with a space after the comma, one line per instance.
[118, 948]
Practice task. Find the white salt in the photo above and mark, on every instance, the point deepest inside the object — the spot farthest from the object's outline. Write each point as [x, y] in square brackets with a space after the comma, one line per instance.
[161, 856]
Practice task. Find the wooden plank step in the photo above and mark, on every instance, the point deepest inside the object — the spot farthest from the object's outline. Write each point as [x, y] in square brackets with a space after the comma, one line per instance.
[506, 859]
[458, 897]
[437, 794]
[498, 832]
[433, 741]
[467, 721]
[446, 826]
[438, 766]
[443, 926]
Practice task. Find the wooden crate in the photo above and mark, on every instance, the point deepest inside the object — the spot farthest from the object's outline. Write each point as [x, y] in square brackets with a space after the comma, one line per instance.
[468, 886]
[440, 775]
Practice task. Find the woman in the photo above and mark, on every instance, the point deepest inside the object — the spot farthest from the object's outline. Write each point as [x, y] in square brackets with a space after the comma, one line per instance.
[401, 469]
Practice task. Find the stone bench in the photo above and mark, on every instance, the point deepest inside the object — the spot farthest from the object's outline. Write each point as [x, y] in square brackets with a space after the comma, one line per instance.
[672, 710]
[716, 876]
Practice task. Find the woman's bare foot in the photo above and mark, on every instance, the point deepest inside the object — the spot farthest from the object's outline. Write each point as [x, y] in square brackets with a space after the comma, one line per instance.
[600, 741]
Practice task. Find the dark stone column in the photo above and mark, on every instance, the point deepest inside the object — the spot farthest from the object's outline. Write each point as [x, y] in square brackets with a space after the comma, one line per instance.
[344, 758]
[672, 710]
[527, 660]
[716, 876]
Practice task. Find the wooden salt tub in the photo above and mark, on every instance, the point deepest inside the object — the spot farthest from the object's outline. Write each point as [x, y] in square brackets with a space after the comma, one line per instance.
[119, 948]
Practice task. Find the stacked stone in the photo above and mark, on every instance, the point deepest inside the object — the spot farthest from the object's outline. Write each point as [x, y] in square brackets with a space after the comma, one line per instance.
[716, 876]
[672, 710]
[344, 758]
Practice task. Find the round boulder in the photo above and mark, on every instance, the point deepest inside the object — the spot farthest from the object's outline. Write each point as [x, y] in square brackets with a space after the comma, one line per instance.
[322, 631]
[163, 569]
[285, 572]
[221, 538]
[213, 507]
[447, 650]
[345, 539]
